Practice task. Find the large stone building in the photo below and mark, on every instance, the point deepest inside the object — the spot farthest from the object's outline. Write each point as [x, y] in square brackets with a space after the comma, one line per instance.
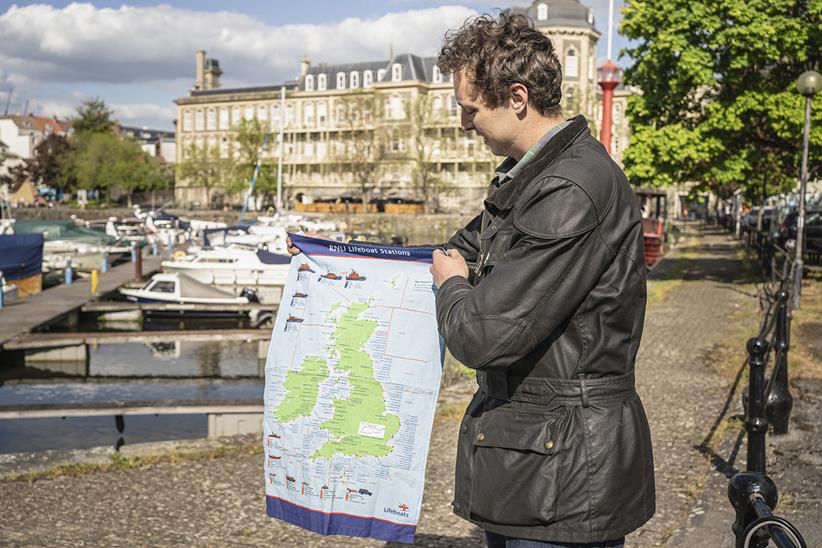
[383, 128]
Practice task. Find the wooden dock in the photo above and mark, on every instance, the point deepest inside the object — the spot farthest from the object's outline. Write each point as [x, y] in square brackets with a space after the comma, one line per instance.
[22, 317]
[28, 341]
[126, 306]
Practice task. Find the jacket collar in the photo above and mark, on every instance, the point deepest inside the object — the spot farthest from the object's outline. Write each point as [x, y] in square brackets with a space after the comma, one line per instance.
[506, 195]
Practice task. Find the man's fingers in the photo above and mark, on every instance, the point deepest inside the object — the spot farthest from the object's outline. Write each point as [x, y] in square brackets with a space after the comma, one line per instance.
[453, 253]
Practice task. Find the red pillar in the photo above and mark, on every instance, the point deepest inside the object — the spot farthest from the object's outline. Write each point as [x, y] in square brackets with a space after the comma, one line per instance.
[608, 76]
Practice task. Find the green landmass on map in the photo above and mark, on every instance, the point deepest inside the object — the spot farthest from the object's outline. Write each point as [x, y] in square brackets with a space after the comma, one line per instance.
[365, 404]
[301, 389]
[366, 400]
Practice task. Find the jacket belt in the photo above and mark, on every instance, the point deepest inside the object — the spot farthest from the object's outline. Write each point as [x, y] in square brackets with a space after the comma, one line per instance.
[543, 390]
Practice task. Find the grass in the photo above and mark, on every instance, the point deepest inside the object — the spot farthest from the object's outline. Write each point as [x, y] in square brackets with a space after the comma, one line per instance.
[119, 462]
[805, 354]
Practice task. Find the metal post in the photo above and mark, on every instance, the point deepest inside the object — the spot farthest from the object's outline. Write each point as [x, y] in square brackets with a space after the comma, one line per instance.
[68, 274]
[94, 281]
[104, 263]
[281, 138]
[2, 286]
[800, 222]
[780, 401]
[743, 489]
[756, 423]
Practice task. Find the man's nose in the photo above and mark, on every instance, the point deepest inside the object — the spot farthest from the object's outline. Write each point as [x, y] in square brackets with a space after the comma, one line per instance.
[465, 122]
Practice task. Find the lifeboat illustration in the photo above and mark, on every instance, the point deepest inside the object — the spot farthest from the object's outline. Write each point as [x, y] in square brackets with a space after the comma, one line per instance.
[294, 319]
[300, 295]
[331, 276]
[355, 277]
[304, 268]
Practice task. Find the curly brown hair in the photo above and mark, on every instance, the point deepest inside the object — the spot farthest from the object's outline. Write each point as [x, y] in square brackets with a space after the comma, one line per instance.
[496, 52]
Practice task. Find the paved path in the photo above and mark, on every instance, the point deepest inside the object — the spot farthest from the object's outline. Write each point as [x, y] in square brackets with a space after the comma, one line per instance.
[220, 502]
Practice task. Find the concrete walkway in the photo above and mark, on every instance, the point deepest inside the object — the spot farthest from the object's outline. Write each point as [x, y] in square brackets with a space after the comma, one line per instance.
[704, 307]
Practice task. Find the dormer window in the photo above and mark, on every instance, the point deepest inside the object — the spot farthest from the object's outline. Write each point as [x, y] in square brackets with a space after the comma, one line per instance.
[396, 72]
[590, 16]
[321, 82]
[436, 75]
[542, 12]
[380, 75]
[367, 79]
[309, 82]
[571, 63]
[354, 79]
[340, 80]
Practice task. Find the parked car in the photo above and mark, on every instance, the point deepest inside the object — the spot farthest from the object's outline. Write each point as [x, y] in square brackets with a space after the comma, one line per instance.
[786, 237]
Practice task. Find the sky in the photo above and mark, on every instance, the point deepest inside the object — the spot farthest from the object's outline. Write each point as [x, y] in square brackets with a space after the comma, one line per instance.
[139, 56]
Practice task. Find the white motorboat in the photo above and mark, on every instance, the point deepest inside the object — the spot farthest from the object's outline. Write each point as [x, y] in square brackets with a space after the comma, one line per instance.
[234, 267]
[180, 289]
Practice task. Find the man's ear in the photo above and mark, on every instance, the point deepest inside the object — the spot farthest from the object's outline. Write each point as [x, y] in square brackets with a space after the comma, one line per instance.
[518, 97]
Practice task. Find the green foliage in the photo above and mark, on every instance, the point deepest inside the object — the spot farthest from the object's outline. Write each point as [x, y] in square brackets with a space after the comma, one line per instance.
[93, 116]
[205, 167]
[44, 167]
[719, 104]
[106, 162]
[250, 142]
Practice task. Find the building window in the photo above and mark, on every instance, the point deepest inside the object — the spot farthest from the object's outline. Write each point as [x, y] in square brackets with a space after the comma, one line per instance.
[224, 148]
[454, 110]
[186, 120]
[309, 82]
[340, 113]
[367, 79]
[308, 113]
[396, 72]
[542, 12]
[380, 75]
[198, 121]
[322, 113]
[211, 119]
[248, 114]
[289, 115]
[591, 67]
[569, 100]
[262, 113]
[354, 79]
[235, 115]
[322, 150]
[224, 118]
[571, 63]
[617, 113]
[436, 106]
[275, 114]
[321, 82]
[436, 75]
[396, 110]
[340, 80]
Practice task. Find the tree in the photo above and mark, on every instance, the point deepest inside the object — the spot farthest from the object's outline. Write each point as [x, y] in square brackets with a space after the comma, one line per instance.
[718, 103]
[15, 176]
[45, 165]
[204, 166]
[424, 179]
[250, 142]
[93, 116]
[105, 162]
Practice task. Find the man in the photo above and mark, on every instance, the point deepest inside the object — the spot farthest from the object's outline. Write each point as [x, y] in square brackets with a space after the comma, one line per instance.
[543, 294]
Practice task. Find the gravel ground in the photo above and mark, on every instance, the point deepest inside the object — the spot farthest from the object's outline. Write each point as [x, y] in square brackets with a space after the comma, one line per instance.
[220, 502]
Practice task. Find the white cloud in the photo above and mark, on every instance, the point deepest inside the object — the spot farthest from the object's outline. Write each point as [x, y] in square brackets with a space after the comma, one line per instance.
[82, 43]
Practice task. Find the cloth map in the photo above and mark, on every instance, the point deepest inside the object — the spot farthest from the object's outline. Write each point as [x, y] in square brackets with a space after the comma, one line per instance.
[351, 384]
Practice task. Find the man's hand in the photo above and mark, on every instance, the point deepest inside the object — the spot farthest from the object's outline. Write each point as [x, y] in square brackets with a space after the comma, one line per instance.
[294, 250]
[446, 266]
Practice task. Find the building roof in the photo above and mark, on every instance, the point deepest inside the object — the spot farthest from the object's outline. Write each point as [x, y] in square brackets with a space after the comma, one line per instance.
[146, 134]
[414, 68]
[559, 13]
[40, 123]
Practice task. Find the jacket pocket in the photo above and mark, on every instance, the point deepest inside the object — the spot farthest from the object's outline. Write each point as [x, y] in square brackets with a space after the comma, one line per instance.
[516, 467]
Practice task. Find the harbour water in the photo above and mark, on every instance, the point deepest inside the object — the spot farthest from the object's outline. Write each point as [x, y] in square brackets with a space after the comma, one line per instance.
[169, 371]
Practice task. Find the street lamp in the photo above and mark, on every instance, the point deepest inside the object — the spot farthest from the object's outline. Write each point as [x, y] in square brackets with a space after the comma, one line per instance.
[808, 84]
[608, 79]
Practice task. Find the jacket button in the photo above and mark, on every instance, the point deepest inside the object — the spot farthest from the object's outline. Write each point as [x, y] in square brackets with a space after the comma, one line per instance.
[549, 444]
[481, 437]
[464, 428]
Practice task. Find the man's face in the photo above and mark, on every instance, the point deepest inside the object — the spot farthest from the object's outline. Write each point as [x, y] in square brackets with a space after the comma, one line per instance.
[495, 125]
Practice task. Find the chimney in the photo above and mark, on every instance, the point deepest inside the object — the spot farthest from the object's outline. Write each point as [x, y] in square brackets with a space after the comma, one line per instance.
[305, 65]
[200, 64]
[212, 74]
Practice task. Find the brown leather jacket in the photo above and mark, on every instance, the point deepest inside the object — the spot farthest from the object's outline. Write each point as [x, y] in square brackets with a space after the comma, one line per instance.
[555, 444]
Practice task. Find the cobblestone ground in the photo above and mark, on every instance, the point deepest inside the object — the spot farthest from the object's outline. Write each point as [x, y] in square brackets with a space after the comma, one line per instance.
[700, 293]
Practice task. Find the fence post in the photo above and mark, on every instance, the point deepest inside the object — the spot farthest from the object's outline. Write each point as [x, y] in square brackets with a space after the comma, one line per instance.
[740, 490]
[756, 423]
[780, 402]
[137, 254]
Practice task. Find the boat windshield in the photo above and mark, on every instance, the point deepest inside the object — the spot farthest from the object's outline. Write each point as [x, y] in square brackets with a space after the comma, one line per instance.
[162, 286]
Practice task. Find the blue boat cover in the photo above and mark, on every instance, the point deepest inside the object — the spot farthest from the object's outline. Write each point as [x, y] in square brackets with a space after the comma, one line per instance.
[21, 255]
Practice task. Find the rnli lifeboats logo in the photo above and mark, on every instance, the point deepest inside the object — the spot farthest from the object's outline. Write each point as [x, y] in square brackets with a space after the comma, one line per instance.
[401, 510]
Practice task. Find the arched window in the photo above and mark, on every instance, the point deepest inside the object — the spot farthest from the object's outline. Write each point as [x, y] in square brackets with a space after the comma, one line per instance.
[308, 112]
[367, 79]
[262, 112]
[321, 82]
[396, 106]
[542, 12]
[186, 120]
[322, 113]
[354, 79]
[569, 101]
[275, 114]
[235, 115]
[340, 80]
[211, 119]
[380, 75]
[571, 63]
[198, 120]
[396, 72]
[436, 106]
[224, 118]
[436, 75]
[454, 110]
[248, 114]
[309, 82]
